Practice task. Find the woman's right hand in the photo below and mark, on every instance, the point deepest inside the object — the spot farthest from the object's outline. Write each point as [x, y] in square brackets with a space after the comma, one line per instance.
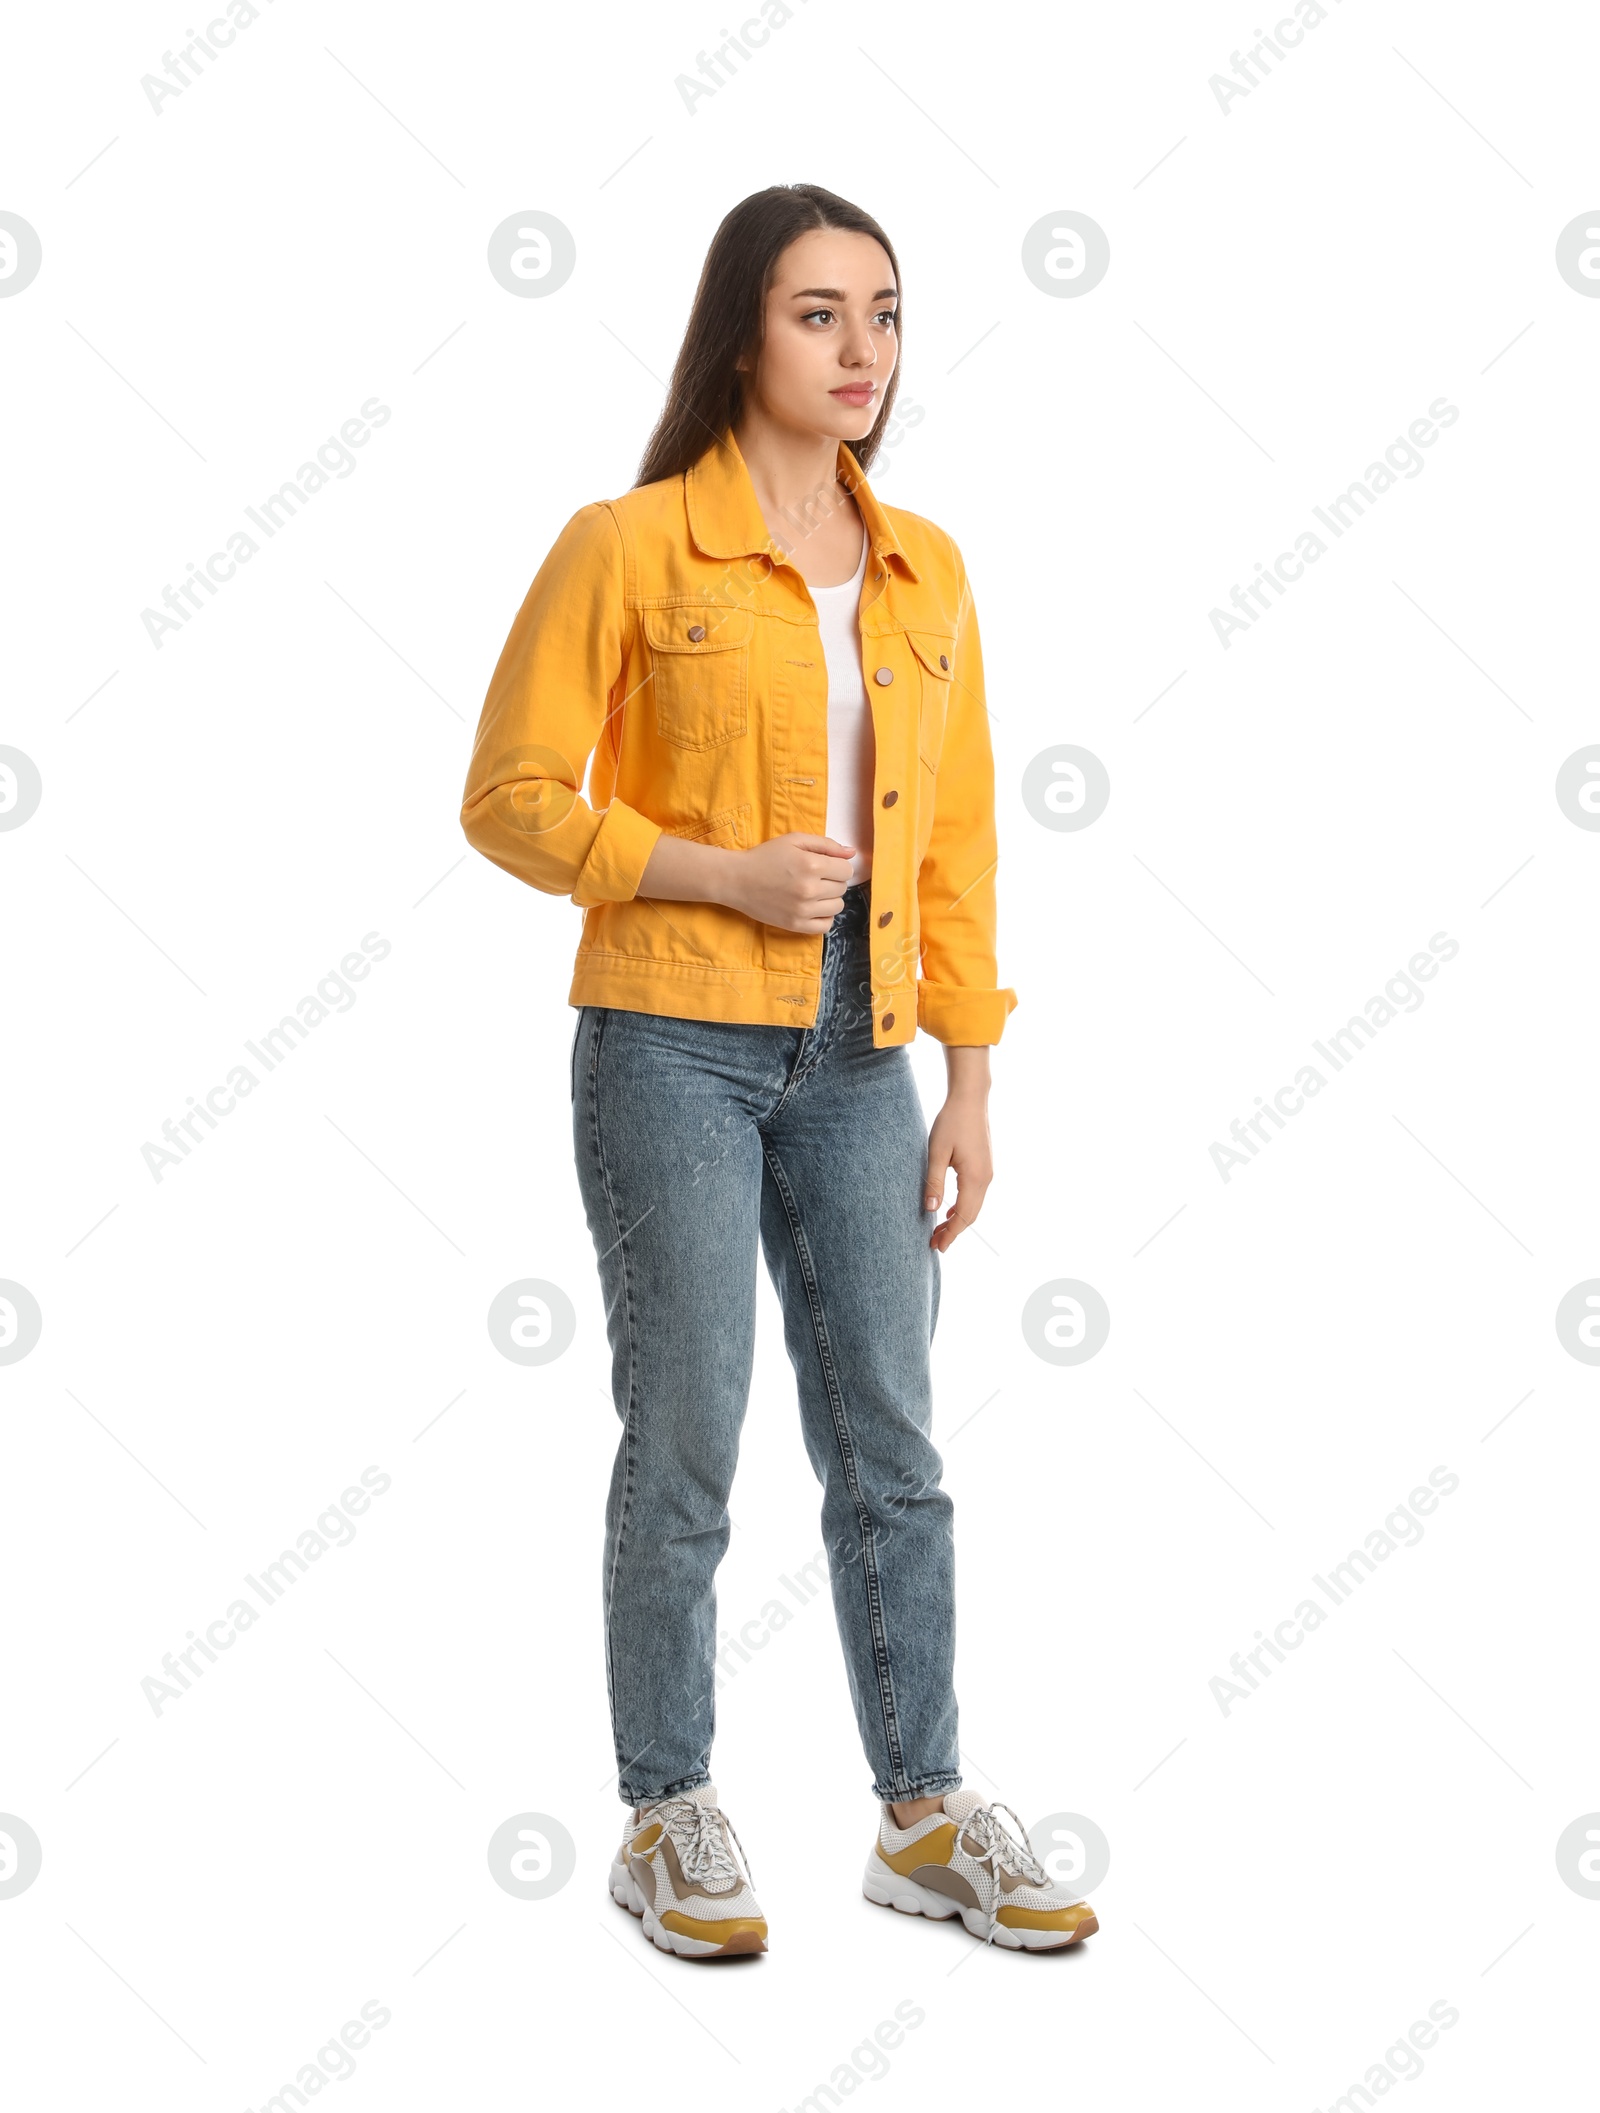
[796, 882]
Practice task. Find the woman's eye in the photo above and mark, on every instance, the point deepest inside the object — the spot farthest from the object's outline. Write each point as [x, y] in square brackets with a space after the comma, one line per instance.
[884, 315]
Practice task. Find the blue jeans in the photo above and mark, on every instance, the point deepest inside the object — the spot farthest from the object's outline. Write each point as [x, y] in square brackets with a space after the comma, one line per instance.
[695, 1141]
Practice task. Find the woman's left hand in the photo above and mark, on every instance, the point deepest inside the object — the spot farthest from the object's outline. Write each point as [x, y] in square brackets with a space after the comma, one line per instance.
[959, 1139]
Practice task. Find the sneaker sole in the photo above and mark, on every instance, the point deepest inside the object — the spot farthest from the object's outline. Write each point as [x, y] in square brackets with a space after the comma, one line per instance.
[885, 1888]
[627, 1895]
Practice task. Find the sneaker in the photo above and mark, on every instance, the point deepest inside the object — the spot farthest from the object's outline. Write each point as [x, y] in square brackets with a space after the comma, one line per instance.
[964, 1861]
[677, 1868]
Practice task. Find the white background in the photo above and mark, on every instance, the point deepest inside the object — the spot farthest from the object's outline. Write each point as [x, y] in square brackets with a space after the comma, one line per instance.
[1373, 1296]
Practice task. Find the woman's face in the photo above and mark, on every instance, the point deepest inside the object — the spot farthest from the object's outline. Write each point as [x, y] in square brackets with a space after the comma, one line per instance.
[830, 343]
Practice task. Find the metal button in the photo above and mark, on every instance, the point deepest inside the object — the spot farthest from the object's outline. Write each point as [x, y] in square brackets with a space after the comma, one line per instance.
[884, 919]
[944, 663]
[888, 1019]
[889, 798]
[885, 676]
[697, 632]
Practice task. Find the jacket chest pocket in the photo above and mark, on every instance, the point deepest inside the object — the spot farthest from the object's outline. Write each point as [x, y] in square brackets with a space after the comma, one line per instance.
[936, 657]
[700, 673]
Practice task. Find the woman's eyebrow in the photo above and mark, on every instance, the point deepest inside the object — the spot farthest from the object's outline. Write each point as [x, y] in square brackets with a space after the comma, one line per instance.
[837, 293]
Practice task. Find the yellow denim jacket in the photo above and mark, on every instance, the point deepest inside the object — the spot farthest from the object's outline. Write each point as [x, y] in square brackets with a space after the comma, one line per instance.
[666, 637]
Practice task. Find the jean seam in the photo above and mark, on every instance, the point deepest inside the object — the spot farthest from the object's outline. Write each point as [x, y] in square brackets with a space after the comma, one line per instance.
[815, 1041]
[677, 1789]
[926, 1786]
[625, 1508]
[841, 1432]
[813, 1047]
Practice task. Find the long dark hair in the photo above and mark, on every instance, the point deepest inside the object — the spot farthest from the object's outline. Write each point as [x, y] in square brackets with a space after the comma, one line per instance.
[706, 391]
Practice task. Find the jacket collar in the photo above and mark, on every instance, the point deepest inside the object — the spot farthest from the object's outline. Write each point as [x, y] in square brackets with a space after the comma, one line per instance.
[725, 517]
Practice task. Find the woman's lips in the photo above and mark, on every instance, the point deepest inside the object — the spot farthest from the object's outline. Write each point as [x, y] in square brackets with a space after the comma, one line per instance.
[857, 393]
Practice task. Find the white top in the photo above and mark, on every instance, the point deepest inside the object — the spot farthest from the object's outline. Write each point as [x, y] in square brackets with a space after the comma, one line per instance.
[852, 751]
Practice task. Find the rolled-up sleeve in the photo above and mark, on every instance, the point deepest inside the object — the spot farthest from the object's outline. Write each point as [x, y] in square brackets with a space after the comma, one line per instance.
[959, 998]
[560, 676]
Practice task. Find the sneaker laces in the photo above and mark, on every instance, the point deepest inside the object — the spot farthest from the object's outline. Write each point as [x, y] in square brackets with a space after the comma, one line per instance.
[697, 1836]
[1001, 1850]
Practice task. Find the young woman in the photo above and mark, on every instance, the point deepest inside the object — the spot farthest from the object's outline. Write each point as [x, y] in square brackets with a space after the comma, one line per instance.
[787, 866]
